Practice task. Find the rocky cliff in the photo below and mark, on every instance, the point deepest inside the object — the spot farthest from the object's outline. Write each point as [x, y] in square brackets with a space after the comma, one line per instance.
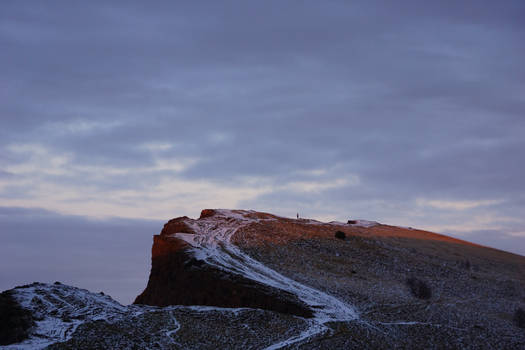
[179, 277]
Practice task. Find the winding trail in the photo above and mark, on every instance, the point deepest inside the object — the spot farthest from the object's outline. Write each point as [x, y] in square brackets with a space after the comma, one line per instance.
[176, 326]
[212, 243]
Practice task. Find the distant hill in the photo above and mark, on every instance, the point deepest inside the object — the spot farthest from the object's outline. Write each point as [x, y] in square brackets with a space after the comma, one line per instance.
[237, 279]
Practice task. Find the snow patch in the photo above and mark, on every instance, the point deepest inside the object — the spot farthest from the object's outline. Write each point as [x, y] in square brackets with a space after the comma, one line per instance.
[60, 309]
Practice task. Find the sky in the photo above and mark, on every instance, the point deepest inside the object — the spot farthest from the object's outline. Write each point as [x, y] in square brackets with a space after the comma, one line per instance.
[116, 117]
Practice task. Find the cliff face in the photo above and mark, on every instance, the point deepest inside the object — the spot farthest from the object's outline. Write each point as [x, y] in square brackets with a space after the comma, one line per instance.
[179, 277]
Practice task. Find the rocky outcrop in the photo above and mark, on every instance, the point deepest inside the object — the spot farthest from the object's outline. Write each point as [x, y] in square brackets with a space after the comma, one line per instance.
[179, 278]
[15, 321]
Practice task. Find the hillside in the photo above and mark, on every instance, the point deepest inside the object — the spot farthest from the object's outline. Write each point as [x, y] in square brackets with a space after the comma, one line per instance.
[244, 279]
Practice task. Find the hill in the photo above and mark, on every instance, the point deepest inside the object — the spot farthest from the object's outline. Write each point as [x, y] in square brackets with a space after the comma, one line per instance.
[245, 279]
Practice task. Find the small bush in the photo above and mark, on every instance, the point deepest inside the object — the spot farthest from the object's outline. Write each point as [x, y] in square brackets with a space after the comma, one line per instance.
[352, 222]
[340, 235]
[519, 318]
[419, 288]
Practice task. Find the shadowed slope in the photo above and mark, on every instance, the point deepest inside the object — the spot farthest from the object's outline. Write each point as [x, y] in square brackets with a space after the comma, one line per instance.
[178, 278]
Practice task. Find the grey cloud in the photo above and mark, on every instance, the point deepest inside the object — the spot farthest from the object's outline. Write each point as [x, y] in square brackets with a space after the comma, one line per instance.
[5, 174]
[417, 100]
[108, 63]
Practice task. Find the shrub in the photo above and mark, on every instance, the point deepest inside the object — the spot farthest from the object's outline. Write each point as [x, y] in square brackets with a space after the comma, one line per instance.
[352, 222]
[519, 318]
[419, 288]
[340, 235]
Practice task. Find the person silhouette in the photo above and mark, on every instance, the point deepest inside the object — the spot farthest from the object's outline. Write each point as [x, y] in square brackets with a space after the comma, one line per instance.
[298, 215]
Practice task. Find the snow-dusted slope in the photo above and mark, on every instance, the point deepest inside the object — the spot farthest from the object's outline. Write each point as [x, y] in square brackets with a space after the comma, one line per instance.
[212, 243]
[71, 318]
[58, 310]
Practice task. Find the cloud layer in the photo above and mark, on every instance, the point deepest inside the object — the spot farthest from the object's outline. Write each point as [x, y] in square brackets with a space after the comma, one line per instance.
[405, 113]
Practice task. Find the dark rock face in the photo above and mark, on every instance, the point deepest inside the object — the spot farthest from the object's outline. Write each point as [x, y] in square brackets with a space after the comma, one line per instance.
[15, 322]
[177, 278]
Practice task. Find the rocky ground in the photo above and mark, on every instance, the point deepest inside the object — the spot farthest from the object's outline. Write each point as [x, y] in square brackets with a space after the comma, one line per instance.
[271, 282]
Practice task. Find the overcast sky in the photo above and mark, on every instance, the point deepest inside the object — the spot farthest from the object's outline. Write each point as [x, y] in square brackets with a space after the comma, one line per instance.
[408, 112]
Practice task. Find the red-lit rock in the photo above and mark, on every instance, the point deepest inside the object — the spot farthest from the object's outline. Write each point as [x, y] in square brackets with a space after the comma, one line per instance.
[177, 225]
[178, 278]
